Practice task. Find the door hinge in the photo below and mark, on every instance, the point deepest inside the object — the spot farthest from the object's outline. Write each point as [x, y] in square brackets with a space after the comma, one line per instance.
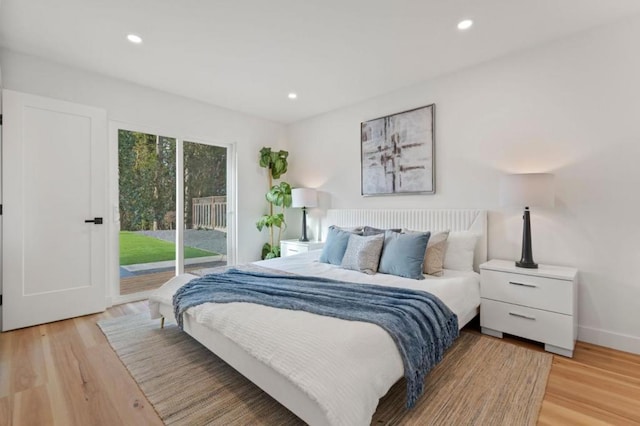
[0, 119]
[0, 300]
[0, 209]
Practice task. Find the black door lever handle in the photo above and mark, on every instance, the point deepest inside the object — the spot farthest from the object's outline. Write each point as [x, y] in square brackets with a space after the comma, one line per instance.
[95, 220]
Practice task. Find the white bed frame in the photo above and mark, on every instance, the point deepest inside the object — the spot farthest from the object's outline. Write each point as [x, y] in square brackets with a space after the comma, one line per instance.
[280, 388]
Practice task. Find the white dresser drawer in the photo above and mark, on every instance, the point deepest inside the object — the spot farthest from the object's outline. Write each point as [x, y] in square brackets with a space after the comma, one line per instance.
[290, 249]
[534, 291]
[544, 326]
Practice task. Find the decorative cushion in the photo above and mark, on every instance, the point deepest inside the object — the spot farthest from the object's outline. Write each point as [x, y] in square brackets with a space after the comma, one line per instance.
[460, 250]
[434, 256]
[403, 254]
[352, 229]
[335, 246]
[363, 253]
[369, 230]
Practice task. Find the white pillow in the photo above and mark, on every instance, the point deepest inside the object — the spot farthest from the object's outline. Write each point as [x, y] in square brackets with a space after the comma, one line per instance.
[460, 248]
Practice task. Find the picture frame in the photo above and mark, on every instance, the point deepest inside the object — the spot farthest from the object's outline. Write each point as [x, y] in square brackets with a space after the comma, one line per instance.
[397, 153]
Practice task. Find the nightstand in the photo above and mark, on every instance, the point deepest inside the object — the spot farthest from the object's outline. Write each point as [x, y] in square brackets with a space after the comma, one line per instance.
[289, 247]
[537, 304]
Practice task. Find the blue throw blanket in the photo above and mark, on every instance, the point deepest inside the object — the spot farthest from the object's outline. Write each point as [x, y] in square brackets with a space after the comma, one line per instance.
[421, 325]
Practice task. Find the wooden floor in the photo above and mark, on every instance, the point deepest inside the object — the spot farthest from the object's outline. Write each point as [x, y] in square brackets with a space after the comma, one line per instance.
[65, 373]
[144, 282]
[151, 281]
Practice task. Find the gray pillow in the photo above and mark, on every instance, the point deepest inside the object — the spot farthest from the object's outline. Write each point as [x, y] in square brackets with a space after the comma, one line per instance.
[363, 253]
[369, 230]
[352, 229]
[403, 254]
[335, 246]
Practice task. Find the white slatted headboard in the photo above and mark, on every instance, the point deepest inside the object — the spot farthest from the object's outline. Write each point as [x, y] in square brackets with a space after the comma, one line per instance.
[418, 220]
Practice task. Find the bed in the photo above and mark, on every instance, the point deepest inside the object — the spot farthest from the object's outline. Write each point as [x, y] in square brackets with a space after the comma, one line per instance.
[326, 370]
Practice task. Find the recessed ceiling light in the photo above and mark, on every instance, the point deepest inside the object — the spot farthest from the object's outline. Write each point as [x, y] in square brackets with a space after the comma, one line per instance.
[292, 95]
[134, 38]
[465, 24]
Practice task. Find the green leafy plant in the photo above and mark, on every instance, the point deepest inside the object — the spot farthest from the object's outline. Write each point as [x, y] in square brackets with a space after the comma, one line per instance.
[279, 195]
[275, 161]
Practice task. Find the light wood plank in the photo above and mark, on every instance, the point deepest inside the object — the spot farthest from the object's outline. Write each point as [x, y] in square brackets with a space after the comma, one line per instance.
[88, 396]
[133, 407]
[553, 414]
[32, 407]
[144, 282]
[595, 391]
[6, 343]
[623, 363]
[88, 333]
[61, 413]
[597, 385]
[6, 412]
[27, 362]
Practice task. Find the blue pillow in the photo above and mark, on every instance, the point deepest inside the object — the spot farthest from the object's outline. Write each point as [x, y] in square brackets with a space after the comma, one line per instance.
[403, 254]
[335, 246]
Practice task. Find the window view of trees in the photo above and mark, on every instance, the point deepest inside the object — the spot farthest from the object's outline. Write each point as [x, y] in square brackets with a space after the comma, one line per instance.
[147, 178]
[205, 175]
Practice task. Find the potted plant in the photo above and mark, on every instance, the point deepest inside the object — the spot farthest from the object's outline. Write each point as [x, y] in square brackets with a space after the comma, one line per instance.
[279, 196]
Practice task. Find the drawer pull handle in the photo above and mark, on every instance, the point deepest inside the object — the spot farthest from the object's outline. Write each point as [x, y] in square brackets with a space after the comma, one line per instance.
[522, 316]
[293, 251]
[523, 284]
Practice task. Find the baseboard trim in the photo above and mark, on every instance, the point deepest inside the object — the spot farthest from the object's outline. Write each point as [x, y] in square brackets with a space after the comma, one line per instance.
[621, 342]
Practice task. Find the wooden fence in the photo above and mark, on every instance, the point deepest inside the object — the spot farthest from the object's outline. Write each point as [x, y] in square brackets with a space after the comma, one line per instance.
[209, 213]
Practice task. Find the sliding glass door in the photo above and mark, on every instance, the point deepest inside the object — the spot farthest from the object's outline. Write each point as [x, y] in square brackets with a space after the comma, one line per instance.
[205, 204]
[172, 197]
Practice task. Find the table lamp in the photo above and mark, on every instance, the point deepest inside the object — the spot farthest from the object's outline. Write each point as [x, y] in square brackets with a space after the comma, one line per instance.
[527, 190]
[304, 197]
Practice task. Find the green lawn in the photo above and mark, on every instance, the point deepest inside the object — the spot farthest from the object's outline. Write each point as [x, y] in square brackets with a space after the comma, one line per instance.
[137, 248]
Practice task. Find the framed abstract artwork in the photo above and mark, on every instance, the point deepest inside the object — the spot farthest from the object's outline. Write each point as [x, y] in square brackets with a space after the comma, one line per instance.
[397, 153]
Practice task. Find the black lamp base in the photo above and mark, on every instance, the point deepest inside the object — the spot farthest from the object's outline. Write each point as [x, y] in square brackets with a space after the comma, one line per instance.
[521, 264]
[526, 261]
[304, 238]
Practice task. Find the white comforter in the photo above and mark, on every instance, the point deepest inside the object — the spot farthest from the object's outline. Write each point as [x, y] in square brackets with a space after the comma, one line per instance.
[344, 366]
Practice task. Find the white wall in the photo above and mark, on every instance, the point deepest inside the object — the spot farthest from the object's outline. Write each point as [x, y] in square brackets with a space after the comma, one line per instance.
[141, 106]
[571, 108]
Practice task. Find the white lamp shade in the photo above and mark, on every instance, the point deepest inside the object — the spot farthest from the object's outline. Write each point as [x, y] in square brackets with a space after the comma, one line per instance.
[304, 197]
[527, 190]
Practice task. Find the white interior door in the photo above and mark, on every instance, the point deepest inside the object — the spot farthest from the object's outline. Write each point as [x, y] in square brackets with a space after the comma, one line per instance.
[53, 180]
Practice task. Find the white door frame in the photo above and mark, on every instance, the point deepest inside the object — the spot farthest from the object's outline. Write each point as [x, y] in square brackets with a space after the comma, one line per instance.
[113, 225]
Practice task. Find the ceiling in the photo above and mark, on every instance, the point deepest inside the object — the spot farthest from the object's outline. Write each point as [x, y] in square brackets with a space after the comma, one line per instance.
[247, 55]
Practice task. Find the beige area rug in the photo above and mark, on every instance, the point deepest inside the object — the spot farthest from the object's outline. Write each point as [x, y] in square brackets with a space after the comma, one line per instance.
[481, 381]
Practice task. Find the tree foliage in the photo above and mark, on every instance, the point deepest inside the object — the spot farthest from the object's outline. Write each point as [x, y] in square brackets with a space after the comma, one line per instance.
[147, 179]
[146, 167]
[205, 174]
